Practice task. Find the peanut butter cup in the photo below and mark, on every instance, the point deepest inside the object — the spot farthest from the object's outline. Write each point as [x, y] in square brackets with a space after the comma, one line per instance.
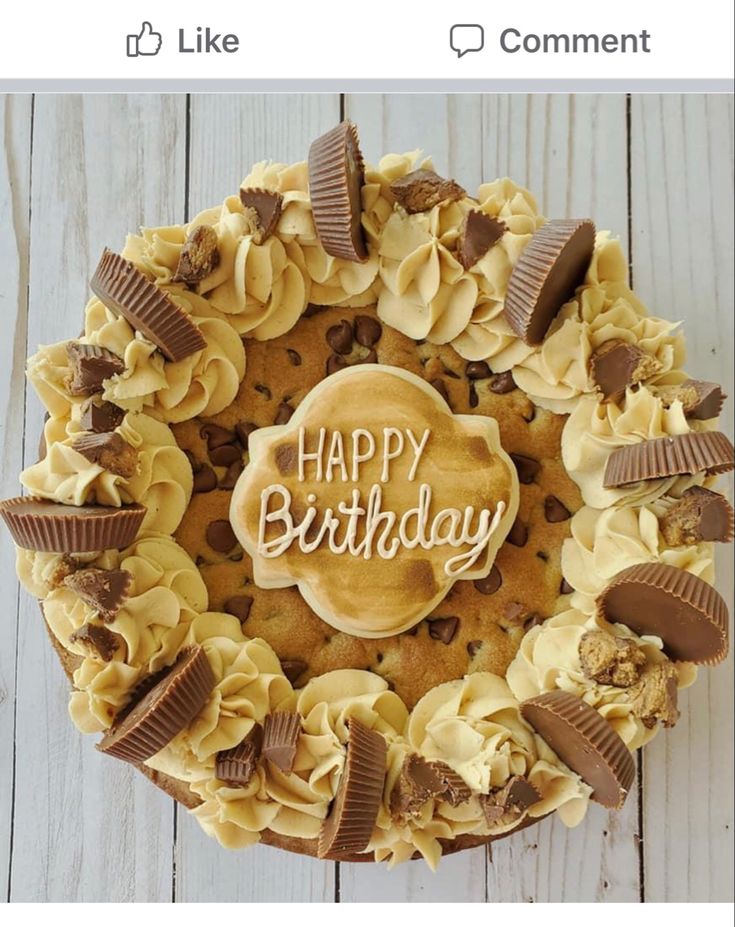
[688, 614]
[546, 276]
[150, 310]
[146, 726]
[583, 740]
[37, 524]
[103, 590]
[336, 175]
[263, 208]
[237, 766]
[354, 810]
[697, 452]
[700, 515]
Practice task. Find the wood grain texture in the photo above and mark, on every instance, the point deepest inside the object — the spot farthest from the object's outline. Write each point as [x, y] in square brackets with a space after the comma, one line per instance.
[85, 829]
[682, 196]
[247, 128]
[15, 181]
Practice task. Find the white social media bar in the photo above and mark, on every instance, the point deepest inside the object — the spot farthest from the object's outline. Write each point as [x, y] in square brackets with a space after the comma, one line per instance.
[383, 40]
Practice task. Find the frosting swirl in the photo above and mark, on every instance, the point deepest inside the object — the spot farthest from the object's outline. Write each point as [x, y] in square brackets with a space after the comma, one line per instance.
[549, 659]
[162, 483]
[603, 543]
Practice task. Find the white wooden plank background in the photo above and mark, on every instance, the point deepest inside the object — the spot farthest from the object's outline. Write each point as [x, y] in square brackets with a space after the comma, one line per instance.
[76, 174]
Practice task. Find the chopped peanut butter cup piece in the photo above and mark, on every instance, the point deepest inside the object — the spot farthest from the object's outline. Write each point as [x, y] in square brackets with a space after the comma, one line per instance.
[99, 417]
[237, 766]
[616, 365]
[700, 515]
[263, 209]
[610, 660]
[478, 233]
[546, 276]
[507, 804]
[99, 642]
[103, 590]
[292, 669]
[697, 452]
[336, 175]
[655, 697]
[37, 524]
[349, 825]
[420, 780]
[199, 255]
[151, 722]
[150, 310]
[585, 742]
[688, 614]
[109, 451]
[90, 367]
[281, 739]
[700, 400]
[421, 190]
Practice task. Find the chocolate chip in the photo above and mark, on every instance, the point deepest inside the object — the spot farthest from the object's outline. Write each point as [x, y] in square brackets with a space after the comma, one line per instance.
[555, 510]
[473, 647]
[527, 468]
[370, 358]
[263, 390]
[443, 629]
[244, 430]
[477, 370]
[284, 413]
[294, 357]
[334, 363]
[292, 669]
[220, 536]
[216, 436]
[502, 383]
[229, 480]
[441, 387]
[225, 455]
[533, 620]
[518, 534]
[313, 309]
[367, 330]
[239, 606]
[473, 398]
[565, 588]
[205, 479]
[339, 337]
[489, 584]
[515, 613]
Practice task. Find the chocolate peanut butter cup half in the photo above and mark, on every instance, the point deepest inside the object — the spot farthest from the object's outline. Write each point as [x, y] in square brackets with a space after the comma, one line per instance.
[616, 365]
[90, 366]
[349, 825]
[263, 208]
[688, 614]
[676, 455]
[146, 726]
[583, 740]
[700, 399]
[37, 524]
[281, 739]
[546, 276]
[129, 293]
[336, 175]
[237, 766]
[103, 590]
[700, 515]
[479, 232]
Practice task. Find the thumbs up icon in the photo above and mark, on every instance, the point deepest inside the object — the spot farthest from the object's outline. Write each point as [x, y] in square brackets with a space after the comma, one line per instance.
[147, 43]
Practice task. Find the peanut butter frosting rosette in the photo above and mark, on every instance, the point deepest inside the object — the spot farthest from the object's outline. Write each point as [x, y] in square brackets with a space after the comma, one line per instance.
[157, 473]
[606, 665]
[261, 757]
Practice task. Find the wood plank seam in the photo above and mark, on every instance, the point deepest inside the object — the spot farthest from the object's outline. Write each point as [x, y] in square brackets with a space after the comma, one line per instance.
[23, 445]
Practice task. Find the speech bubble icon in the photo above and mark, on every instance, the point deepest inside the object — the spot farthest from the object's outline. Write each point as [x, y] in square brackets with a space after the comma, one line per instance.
[466, 37]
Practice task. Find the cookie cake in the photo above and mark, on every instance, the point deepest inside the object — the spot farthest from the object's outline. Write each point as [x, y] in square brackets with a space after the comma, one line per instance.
[373, 518]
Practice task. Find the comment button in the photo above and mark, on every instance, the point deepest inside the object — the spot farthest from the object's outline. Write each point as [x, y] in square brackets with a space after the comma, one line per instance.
[466, 37]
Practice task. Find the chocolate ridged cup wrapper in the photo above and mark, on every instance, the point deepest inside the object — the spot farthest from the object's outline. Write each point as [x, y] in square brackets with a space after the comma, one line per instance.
[237, 765]
[129, 293]
[37, 524]
[281, 739]
[585, 742]
[676, 455]
[688, 614]
[336, 174]
[353, 814]
[164, 711]
[547, 273]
